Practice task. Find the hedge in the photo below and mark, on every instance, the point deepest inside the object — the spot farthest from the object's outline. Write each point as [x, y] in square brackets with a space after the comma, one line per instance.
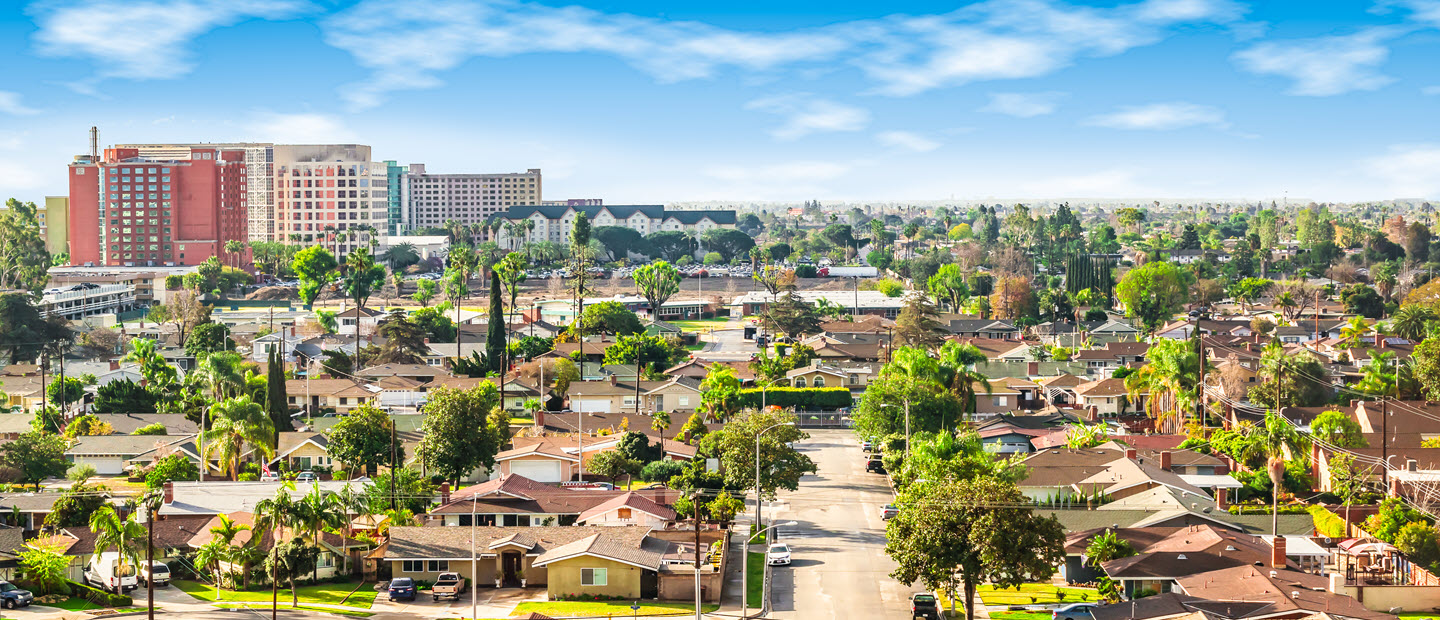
[1247, 509]
[1328, 523]
[98, 596]
[805, 399]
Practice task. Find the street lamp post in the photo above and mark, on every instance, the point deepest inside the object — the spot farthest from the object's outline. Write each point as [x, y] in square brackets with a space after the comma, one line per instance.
[758, 517]
[745, 575]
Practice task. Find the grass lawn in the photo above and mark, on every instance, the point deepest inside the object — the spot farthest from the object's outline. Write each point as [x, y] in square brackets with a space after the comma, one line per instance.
[74, 603]
[755, 566]
[327, 610]
[607, 608]
[699, 325]
[326, 593]
[1041, 593]
[695, 347]
[1020, 615]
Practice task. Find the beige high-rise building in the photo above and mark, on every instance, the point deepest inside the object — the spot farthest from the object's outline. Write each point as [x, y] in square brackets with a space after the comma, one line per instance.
[431, 200]
[329, 193]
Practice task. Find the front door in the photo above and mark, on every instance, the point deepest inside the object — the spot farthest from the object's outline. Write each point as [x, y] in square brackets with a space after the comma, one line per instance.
[510, 564]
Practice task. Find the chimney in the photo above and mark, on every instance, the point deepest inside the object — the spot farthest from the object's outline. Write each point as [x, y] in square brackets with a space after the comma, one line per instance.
[114, 364]
[1222, 499]
[1277, 552]
[1032, 368]
[540, 415]
[1411, 465]
[613, 379]
[444, 493]
[1379, 341]
[169, 492]
[1165, 460]
[94, 143]
[1130, 453]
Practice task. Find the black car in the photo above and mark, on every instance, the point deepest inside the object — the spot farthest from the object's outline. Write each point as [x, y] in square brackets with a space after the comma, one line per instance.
[14, 596]
[402, 589]
[924, 605]
[875, 466]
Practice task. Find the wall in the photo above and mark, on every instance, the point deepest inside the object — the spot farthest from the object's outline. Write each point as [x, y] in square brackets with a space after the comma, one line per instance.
[622, 579]
[57, 224]
[486, 567]
[84, 214]
[680, 585]
[1384, 598]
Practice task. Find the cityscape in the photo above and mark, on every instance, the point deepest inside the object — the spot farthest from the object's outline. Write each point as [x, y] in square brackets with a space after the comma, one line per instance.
[996, 310]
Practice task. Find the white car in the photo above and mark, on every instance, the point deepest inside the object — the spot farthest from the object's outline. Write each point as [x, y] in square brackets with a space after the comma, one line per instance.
[778, 555]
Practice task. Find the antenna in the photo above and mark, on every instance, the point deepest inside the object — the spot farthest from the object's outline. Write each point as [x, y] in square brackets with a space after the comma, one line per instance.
[94, 142]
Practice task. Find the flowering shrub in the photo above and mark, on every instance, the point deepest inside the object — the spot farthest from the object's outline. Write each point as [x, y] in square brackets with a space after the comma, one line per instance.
[590, 597]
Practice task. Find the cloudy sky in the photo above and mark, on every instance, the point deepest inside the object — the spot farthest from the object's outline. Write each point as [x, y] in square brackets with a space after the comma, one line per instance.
[647, 102]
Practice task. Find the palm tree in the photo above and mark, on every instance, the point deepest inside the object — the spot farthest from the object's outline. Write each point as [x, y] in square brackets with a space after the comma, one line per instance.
[1272, 441]
[123, 535]
[234, 247]
[1410, 322]
[349, 503]
[220, 371]
[234, 423]
[211, 555]
[319, 510]
[660, 421]
[275, 515]
[1169, 380]
[958, 375]
[1285, 301]
[1353, 332]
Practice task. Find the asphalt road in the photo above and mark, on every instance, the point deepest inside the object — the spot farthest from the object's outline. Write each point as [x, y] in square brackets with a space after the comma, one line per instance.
[839, 567]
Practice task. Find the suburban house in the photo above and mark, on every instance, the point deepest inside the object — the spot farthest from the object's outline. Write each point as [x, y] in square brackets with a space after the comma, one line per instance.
[615, 396]
[307, 451]
[319, 395]
[999, 398]
[32, 508]
[679, 395]
[223, 497]
[1102, 362]
[632, 508]
[516, 501]
[127, 423]
[990, 329]
[555, 459]
[1106, 398]
[358, 320]
[333, 547]
[998, 350]
[110, 455]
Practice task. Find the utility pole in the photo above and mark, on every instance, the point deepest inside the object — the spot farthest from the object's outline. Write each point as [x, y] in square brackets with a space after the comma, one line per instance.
[393, 505]
[151, 508]
[1384, 445]
[1200, 387]
[695, 507]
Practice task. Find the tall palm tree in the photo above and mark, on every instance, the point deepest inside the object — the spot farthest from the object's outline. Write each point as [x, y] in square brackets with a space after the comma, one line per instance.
[1273, 441]
[234, 424]
[349, 503]
[220, 372]
[1169, 380]
[319, 510]
[277, 515]
[958, 374]
[1353, 332]
[234, 247]
[225, 533]
[1410, 321]
[122, 535]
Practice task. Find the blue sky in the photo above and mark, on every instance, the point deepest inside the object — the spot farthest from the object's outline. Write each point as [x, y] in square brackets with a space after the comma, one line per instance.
[652, 102]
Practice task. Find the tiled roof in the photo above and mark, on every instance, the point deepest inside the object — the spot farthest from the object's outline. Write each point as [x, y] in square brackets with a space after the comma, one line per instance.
[125, 445]
[551, 543]
[629, 500]
[1288, 591]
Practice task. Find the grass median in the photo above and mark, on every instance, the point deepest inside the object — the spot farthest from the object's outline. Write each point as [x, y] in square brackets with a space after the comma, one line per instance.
[324, 594]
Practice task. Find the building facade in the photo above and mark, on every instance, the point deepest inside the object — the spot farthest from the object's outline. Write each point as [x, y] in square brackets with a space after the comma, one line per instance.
[552, 223]
[329, 193]
[126, 209]
[54, 218]
[259, 168]
[395, 191]
[431, 200]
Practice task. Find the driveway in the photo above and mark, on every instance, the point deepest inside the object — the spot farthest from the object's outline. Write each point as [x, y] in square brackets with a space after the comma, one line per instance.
[727, 343]
[490, 603]
[839, 568]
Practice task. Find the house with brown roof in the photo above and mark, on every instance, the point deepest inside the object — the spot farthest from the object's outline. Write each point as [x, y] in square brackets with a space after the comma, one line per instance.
[615, 396]
[333, 547]
[320, 395]
[1103, 361]
[1290, 594]
[631, 508]
[1000, 398]
[996, 349]
[1107, 398]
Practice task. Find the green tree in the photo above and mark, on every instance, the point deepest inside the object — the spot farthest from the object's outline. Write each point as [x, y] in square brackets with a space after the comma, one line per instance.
[1411, 322]
[124, 536]
[948, 285]
[729, 242]
[66, 391]
[362, 278]
[171, 468]
[1417, 540]
[657, 283]
[365, 439]
[414, 492]
[24, 261]
[1153, 293]
[1394, 515]
[1337, 428]
[612, 464]
[656, 353]
[463, 430]
[151, 429]
[724, 508]
[790, 315]
[46, 567]
[277, 402]
[917, 325]
[782, 465]
[77, 504]
[495, 329]
[1107, 546]
[954, 535]
[315, 266]
[24, 333]
[1363, 300]
[404, 340]
[610, 317]
[719, 393]
[1274, 441]
[424, 292]
[209, 338]
[693, 430]
[276, 514]
[234, 424]
[36, 456]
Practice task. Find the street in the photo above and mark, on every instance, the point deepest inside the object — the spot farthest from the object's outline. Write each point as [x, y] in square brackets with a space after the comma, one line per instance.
[839, 567]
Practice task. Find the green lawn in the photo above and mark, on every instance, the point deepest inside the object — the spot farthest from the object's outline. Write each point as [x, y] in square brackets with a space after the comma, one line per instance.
[699, 325]
[1020, 615]
[756, 586]
[607, 608]
[327, 610]
[1040, 593]
[325, 593]
[74, 603]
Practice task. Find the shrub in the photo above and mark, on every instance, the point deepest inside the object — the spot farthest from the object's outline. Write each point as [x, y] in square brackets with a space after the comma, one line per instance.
[805, 399]
[806, 271]
[100, 597]
[661, 471]
[150, 429]
[248, 477]
[1327, 523]
[1265, 510]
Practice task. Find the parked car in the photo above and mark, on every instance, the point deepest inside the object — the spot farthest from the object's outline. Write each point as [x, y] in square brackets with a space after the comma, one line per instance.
[270, 477]
[875, 465]
[14, 596]
[158, 572]
[450, 585]
[1073, 611]
[107, 573]
[306, 476]
[924, 605]
[402, 589]
[868, 447]
[778, 555]
[888, 512]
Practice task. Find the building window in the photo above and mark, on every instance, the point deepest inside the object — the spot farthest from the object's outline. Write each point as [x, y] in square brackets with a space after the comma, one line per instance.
[819, 381]
[998, 401]
[593, 576]
[623, 513]
[438, 566]
[799, 382]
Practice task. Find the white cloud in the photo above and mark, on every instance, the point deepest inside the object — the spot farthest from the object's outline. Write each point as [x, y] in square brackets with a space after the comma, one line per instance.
[1420, 10]
[299, 129]
[907, 140]
[1024, 105]
[1430, 90]
[1323, 66]
[804, 114]
[10, 104]
[1408, 171]
[1161, 116]
[407, 42]
[147, 39]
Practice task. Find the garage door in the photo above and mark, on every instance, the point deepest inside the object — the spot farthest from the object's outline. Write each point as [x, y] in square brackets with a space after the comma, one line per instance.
[598, 405]
[539, 471]
[104, 465]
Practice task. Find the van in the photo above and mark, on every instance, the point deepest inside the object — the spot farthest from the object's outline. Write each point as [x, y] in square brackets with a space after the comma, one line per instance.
[158, 573]
[107, 573]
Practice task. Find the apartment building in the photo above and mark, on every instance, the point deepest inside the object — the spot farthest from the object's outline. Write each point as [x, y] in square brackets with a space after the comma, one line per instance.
[259, 167]
[54, 218]
[552, 223]
[126, 209]
[148, 283]
[330, 193]
[431, 200]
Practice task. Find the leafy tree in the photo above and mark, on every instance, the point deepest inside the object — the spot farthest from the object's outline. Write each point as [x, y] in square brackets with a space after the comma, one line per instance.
[415, 492]
[782, 465]
[495, 328]
[327, 321]
[948, 285]
[1363, 300]
[657, 283]
[363, 439]
[916, 326]
[670, 245]
[23, 332]
[661, 471]
[657, 353]
[882, 411]
[404, 340]
[291, 559]
[1273, 441]
[636, 445]
[87, 425]
[1249, 290]
[1339, 429]
[208, 338]
[693, 430]
[437, 326]
[790, 315]
[1153, 293]
[719, 392]
[66, 391]
[612, 464]
[729, 242]
[171, 468]
[315, 267]
[76, 505]
[954, 535]
[618, 241]
[1394, 515]
[277, 402]
[47, 568]
[337, 362]
[724, 508]
[463, 430]
[1417, 540]
[531, 347]
[610, 317]
[24, 261]
[36, 456]
[1107, 546]
[151, 429]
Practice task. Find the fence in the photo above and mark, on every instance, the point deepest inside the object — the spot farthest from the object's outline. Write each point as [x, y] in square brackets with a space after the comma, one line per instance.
[822, 419]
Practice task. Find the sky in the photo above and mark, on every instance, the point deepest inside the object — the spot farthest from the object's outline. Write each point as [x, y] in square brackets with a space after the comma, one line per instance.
[651, 102]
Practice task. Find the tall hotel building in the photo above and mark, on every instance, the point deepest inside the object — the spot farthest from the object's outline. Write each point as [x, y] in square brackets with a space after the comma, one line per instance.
[330, 193]
[431, 200]
[259, 164]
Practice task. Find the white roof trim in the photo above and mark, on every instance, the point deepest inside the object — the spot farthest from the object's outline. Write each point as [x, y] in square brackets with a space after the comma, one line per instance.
[592, 554]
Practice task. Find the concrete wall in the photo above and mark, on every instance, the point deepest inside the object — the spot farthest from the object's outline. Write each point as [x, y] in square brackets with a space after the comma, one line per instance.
[621, 580]
[1385, 598]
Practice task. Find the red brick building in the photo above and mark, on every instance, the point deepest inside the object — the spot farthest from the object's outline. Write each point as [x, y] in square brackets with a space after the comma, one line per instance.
[137, 211]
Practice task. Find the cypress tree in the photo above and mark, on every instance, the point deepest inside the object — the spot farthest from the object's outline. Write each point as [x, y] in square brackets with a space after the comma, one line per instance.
[495, 332]
[278, 402]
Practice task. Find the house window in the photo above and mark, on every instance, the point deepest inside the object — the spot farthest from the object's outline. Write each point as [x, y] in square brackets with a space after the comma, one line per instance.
[593, 577]
[819, 381]
[854, 379]
[438, 566]
[623, 513]
[998, 401]
[418, 566]
[799, 382]
[684, 401]
[327, 560]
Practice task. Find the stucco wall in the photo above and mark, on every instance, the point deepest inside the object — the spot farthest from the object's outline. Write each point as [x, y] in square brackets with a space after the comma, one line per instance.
[486, 569]
[1385, 598]
[621, 580]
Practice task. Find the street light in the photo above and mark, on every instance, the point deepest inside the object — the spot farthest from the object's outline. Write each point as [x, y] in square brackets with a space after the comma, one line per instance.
[745, 575]
[758, 519]
[907, 425]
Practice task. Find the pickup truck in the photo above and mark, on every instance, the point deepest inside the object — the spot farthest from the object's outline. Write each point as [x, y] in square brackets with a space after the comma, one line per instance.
[448, 584]
[924, 605]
